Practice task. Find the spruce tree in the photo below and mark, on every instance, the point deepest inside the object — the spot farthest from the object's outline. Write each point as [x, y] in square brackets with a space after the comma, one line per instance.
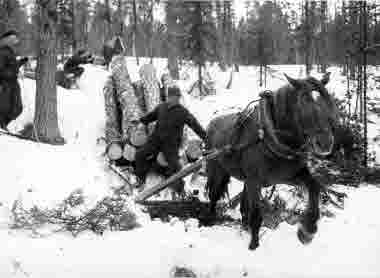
[200, 43]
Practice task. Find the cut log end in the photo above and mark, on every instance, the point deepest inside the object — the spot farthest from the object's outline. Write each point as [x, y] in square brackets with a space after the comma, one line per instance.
[114, 151]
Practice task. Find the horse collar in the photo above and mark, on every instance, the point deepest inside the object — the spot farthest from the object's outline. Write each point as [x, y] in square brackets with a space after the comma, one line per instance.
[267, 133]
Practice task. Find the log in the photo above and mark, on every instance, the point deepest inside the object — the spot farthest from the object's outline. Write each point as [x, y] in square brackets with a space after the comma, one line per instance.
[114, 151]
[183, 173]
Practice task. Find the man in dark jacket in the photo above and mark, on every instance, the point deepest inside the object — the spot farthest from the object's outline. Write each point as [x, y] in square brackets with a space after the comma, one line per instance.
[170, 118]
[10, 95]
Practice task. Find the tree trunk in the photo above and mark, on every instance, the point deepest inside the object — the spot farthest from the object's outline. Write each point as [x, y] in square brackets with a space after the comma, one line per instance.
[45, 117]
[87, 24]
[74, 25]
[221, 36]
[324, 54]
[228, 31]
[172, 40]
[135, 31]
[108, 21]
[353, 19]
[307, 38]
[151, 32]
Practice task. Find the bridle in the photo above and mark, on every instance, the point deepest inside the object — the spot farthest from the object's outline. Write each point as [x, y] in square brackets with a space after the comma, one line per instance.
[267, 131]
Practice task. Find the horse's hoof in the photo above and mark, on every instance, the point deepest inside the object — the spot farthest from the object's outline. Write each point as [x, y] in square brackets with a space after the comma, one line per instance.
[304, 236]
[253, 245]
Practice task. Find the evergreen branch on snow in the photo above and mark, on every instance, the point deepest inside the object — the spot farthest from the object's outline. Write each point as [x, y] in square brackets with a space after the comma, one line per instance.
[110, 213]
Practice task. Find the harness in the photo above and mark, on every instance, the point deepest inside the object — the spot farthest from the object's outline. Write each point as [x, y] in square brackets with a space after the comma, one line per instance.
[267, 131]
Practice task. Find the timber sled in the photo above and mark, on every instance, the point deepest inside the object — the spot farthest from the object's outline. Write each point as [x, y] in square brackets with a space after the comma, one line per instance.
[191, 206]
[188, 206]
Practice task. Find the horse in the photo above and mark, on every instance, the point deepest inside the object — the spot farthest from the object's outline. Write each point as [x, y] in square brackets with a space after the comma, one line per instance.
[270, 145]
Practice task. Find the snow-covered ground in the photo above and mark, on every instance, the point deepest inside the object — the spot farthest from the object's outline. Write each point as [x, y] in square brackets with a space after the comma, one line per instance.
[345, 246]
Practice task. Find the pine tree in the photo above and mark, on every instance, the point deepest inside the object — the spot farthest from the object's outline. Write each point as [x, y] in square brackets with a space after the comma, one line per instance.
[45, 117]
[173, 11]
[261, 37]
[200, 44]
[135, 30]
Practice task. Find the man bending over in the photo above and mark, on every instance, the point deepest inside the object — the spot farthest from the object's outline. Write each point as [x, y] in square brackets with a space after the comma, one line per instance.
[170, 118]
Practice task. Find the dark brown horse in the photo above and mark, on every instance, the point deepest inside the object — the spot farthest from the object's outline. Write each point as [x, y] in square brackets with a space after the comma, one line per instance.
[270, 146]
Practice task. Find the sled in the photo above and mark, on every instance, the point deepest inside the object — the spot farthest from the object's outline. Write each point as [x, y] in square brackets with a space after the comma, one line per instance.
[187, 170]
[185, 209]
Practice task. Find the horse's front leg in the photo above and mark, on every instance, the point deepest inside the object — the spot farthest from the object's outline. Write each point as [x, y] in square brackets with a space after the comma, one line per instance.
[255, 218]
[308, 226]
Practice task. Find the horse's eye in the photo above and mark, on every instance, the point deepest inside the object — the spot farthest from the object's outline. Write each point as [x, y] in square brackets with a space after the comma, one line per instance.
[315, 95]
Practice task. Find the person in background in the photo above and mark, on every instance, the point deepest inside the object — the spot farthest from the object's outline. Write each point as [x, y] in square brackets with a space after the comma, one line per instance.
[71, 66]
[166, 82]
[170, 117]
[10, 94]
[111, 48]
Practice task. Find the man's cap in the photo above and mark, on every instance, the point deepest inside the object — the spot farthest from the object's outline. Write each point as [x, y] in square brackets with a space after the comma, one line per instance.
[9, 33]
[174, 91]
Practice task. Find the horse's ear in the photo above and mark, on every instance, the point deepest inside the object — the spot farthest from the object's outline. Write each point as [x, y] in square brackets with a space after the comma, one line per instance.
[326, 78]
[294, 82]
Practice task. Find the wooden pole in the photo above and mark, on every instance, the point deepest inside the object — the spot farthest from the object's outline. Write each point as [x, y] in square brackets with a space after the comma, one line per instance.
[183, 173]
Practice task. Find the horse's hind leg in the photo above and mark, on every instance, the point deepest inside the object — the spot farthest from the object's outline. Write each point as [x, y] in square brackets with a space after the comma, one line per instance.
[244, 208]
[308, 226]
[217, 183]
[255, 217]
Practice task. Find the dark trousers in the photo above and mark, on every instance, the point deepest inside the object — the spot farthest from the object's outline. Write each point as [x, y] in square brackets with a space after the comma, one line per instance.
[152, 149]
[10, 102]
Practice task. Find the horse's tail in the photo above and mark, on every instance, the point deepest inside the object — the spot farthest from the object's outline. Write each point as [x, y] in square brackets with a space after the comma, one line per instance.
[217, 181]
[217, 177]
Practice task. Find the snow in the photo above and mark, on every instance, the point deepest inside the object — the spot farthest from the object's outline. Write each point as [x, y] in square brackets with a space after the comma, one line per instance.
[345, 246]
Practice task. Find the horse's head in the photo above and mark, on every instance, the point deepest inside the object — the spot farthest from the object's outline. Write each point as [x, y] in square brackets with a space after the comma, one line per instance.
[314, 112]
